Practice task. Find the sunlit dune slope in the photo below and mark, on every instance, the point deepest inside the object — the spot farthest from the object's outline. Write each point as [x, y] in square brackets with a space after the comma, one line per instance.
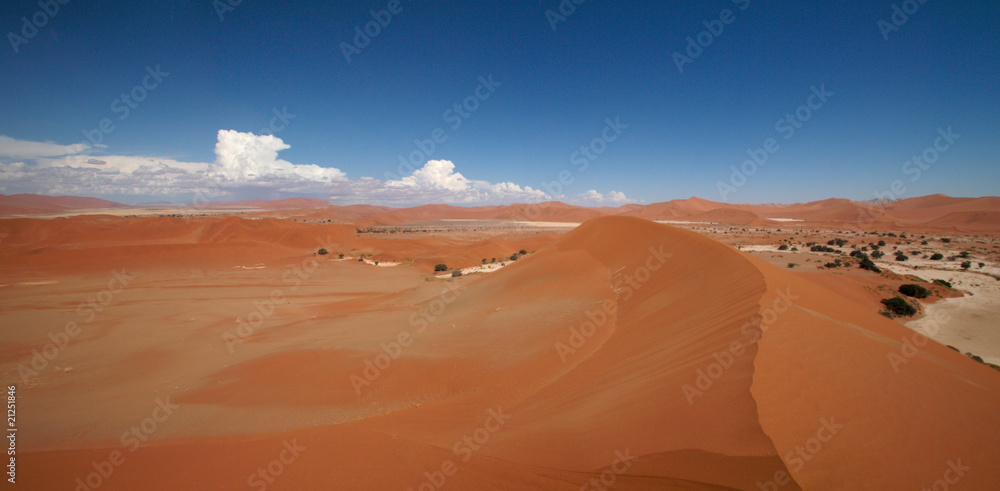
[656, 356]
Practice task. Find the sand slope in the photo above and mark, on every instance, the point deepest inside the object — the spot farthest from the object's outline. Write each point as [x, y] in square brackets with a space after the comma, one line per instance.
[656, 356]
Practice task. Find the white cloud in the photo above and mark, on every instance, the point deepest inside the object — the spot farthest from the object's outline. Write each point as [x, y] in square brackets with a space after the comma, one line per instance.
[11, 148]
[246, 165]
[592, 197]
[246, 157]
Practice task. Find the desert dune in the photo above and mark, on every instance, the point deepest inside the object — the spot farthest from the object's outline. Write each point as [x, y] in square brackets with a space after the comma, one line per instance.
[622, 353]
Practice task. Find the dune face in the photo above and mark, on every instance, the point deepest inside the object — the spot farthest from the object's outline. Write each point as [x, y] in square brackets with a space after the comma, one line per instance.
[624, 354]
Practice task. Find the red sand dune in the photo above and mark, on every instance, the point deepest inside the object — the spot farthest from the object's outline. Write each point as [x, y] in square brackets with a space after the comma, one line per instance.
[29, 204]
[656, 356]
[936, 212]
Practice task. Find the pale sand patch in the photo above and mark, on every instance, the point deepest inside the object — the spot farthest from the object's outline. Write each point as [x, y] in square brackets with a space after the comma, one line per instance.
[381, 264]
[549, 224]
[973, 320]
[784, 219]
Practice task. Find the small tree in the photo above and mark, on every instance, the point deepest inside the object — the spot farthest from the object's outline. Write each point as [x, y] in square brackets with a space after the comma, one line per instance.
[911, 290]
[440, 267]
[898, 307]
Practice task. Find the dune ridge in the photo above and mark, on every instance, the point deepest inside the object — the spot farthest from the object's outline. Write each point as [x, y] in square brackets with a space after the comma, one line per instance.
[655, 353]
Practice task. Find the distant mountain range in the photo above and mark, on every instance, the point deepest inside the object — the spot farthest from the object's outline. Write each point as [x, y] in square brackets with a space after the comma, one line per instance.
[974, 215]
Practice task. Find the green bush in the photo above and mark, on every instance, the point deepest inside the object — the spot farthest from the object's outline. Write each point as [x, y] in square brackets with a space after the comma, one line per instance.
[522, 252]
[901, 257]
[898, 307]
[946, 284]
[937, 256]
[321, 252]
[966, 264]
[440, 267]
[783, 247]
[881, 243]
[911, 290]
[456, 273]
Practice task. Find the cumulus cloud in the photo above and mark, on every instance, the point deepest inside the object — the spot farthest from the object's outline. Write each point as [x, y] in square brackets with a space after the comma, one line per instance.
[612, 197]
[245, 157]
[438, 182]
[11, 148]
[246, 165]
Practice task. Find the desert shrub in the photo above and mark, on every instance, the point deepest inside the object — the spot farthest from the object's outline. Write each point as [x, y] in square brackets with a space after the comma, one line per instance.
[964, 254]
[868, 264]
[911, 290]
[982, 264]
[945, 240]
[792, 265]
[946, 284]
[881, 243]
[783, 247]
[937, 256]
[966, 264]
[822, 248]
[901, 257]
[838, 242]
[923, 242]
[513, 257]
[321, 252]
[484, 260]
[795, 248]
[878, 254]
[440, 267]
[493, 260]
[831, 265]
[898, 307]
[340, 256]
[522, 252]
[456, 273]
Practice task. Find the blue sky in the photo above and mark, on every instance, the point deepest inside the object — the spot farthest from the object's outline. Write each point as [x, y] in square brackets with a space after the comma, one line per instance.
[258, 100]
